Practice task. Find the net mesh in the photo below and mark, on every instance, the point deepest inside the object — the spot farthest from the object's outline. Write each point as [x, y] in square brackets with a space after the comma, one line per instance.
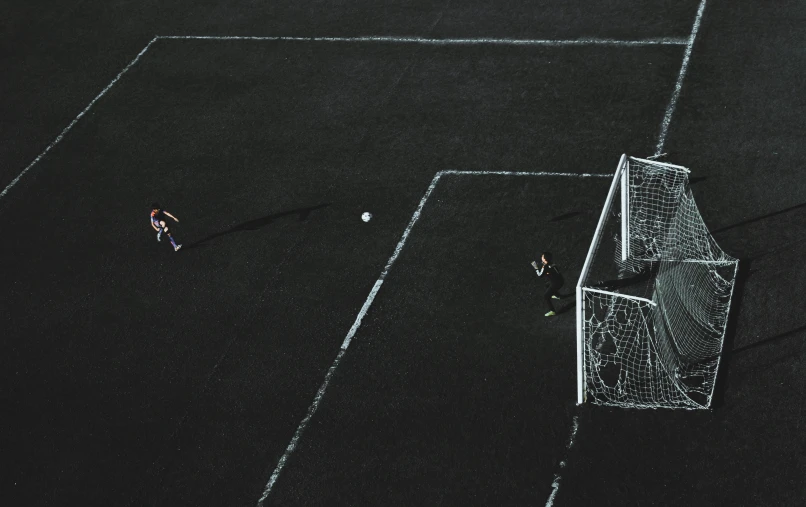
[653, 323]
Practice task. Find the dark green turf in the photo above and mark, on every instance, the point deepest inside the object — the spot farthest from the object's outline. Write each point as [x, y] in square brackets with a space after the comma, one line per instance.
[233, 336]
[60, 55]
[740, 127]
[456, 389]
[137, 376]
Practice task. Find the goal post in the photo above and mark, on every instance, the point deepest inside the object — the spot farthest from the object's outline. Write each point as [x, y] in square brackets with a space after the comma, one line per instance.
[653, 296]
[580, 310]
[625, 209]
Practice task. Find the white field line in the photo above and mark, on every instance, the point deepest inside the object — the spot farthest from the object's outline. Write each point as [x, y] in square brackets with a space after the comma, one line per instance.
[72, 123]
[523, 173]
[345, 344]
[667, 118]
[555, 485]
[591, 41]
[320, 393]
[657, 41]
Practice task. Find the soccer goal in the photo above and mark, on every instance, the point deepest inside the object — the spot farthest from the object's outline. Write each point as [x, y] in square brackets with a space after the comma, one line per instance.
[653, 296]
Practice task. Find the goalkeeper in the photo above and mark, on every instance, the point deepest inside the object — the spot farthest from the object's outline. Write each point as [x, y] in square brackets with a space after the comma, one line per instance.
[554, 280]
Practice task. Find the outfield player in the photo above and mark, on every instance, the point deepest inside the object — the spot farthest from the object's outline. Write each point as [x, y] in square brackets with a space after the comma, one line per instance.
[554, 280]
[159, 218]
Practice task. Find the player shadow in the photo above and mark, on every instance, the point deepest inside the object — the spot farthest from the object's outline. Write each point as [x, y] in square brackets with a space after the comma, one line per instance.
[565, 307]
[258, 223]
[566, 216]
[766, 341]
[758, 219]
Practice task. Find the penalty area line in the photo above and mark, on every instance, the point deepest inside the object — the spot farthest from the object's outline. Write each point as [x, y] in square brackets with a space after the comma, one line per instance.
[345, 344]
[525, 173]
[667, 118]
[320, 393]
[75, 120]
[589, 41]
[585, 41]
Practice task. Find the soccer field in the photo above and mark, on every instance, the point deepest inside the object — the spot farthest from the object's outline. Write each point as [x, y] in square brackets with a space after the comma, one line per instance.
[291, 354]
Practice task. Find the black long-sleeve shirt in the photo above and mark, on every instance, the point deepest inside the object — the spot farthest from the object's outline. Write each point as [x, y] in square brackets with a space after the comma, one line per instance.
[553, 275]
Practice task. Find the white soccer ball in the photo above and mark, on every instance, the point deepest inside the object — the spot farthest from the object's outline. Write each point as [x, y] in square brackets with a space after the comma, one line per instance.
[366, 216]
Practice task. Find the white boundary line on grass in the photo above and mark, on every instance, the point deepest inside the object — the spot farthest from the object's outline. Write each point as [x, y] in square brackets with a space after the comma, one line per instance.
[72, 123]
[374, 292]
[589, 41]
[408, 40]
[555, 486]
[667, 118]
[658, 41]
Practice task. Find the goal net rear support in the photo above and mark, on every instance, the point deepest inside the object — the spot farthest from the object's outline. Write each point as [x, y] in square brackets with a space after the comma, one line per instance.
[653, 297]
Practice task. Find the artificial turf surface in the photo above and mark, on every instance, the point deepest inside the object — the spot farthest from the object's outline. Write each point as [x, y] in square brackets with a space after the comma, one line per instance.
[138, 376]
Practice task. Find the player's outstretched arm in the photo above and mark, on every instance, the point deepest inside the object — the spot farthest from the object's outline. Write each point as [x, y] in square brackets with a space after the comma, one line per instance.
[155, 227]
[168, 214]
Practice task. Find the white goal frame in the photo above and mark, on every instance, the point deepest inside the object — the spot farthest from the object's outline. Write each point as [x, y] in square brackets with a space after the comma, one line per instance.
[620, 175]
[621, 185]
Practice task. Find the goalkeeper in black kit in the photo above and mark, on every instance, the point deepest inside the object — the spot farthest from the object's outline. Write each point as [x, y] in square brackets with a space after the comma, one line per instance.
[554, 280]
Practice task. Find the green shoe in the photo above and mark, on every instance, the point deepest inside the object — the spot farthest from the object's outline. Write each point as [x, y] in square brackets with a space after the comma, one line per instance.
[555, 297]
[550, 314]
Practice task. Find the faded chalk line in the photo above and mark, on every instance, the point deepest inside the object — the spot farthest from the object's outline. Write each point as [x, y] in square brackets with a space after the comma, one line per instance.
[590, 41]
[688, 43]
[72, 123]
[555, 485]
[587, 41]
[667, 118]
[320, 393]
[521, 173]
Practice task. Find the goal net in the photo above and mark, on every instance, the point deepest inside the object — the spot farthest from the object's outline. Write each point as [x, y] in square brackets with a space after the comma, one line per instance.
[654, 295]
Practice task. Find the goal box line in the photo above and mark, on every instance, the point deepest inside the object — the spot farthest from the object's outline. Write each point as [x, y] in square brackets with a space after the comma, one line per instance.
[579, 42]
[320, 393]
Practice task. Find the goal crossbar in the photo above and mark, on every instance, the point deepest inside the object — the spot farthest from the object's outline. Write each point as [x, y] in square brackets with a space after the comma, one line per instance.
[664, 164]
[626, 296]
